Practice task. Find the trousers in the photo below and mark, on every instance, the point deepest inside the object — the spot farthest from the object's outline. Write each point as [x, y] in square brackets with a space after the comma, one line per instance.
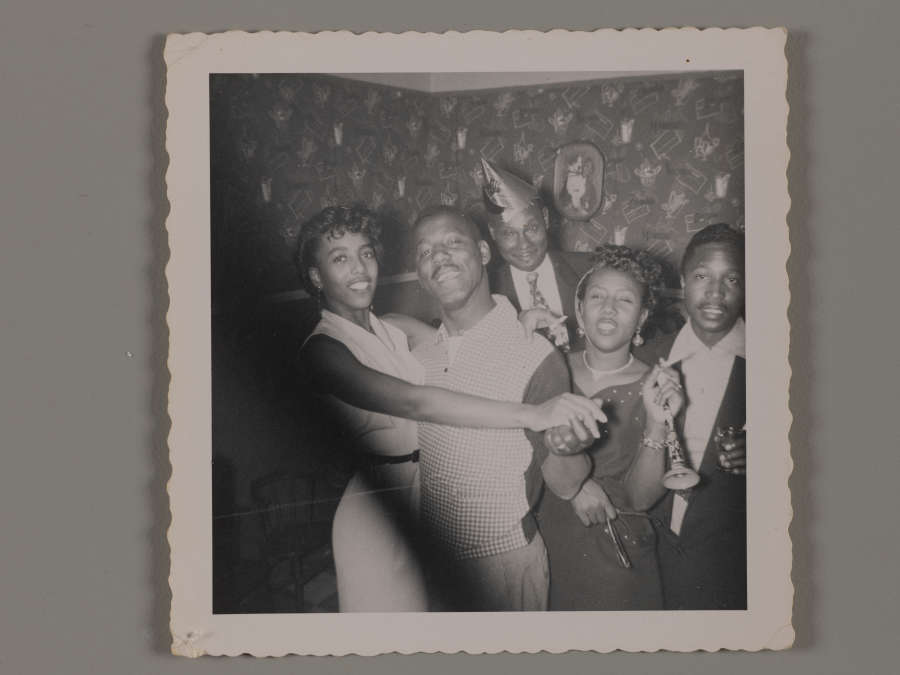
[517, 580]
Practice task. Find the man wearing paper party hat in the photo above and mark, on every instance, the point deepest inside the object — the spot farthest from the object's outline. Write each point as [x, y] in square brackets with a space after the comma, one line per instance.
[530, 276]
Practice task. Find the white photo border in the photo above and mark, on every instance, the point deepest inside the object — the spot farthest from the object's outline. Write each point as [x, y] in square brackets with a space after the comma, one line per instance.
[759, 53]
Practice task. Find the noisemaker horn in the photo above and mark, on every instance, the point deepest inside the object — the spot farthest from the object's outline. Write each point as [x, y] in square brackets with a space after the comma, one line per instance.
[680, 476]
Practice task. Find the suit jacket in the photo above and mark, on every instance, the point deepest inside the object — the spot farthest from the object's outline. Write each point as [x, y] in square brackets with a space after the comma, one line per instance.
[569, 268]
[705, 565]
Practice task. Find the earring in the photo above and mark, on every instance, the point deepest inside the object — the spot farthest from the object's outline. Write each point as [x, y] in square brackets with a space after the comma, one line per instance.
[579, 332]
[637, 340]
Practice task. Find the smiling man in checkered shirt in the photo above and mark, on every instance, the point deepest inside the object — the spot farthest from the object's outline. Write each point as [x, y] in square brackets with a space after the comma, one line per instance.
[479, 486]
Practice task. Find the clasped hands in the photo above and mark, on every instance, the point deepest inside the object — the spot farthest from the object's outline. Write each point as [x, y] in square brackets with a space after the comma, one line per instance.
[576, 418]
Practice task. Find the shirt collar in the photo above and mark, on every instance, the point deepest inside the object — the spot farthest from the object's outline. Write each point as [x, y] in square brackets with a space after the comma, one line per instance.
[501, 312]
[544, 269]
[687, 343]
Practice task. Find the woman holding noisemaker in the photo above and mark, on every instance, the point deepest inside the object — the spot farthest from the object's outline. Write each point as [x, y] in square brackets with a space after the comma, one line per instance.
[601, 545]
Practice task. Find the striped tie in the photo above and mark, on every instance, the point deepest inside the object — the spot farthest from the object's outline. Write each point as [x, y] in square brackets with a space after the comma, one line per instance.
[537, 298]
[558, 334]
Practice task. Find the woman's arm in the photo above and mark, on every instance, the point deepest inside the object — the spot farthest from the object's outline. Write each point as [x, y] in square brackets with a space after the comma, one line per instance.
[643, 482]
[334, 370]
[417, 332]
[663, 398]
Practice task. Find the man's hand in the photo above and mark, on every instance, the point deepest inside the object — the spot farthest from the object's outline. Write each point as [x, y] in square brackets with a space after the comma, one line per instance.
[566, 409]
[538, 317]
[592, 506]
[733, 455]
[568, 439]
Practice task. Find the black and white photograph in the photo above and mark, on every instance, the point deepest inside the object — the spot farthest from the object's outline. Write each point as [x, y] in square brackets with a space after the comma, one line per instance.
[323, 188]
[479, 342]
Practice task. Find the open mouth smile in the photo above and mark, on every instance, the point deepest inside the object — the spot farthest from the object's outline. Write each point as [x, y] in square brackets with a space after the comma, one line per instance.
[360, 285]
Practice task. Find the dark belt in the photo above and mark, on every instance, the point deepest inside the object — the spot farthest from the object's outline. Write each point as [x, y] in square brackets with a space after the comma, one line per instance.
[371, 459]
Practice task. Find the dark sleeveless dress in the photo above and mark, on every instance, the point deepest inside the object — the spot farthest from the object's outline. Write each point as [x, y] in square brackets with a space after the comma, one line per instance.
[584, 572]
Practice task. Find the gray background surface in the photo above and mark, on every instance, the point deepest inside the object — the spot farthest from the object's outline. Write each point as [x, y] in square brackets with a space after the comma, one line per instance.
[82, 307]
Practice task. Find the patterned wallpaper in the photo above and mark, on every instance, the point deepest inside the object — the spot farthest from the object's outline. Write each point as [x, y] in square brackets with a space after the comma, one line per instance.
[285, 146]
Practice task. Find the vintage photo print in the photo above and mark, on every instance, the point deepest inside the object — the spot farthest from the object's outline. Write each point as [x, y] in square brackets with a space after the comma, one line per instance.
[479, 342]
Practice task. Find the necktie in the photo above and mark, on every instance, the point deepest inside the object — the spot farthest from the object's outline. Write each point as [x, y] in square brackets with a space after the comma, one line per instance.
[537, 298]
[558, 334]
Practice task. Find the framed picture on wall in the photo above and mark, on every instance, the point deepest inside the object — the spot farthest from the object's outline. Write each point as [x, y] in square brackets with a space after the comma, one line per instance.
[319, 188]
[578, 180]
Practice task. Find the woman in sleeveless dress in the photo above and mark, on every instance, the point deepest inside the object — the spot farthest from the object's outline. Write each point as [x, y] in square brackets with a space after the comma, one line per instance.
[601, 546]
[363, 366]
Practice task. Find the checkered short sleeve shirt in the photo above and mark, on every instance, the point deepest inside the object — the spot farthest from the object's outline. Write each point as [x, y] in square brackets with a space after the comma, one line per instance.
[473, 480]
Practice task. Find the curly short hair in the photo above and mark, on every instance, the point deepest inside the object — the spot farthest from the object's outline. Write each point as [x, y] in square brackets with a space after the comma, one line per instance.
[640, 265]
[719, 233]
[450, 212]
[333, 221]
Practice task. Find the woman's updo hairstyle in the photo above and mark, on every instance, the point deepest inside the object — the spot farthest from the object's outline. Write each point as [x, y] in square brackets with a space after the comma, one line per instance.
[640, 265]
[334, 221]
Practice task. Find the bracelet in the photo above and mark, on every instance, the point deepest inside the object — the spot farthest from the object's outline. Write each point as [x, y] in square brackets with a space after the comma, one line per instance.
[650, 443]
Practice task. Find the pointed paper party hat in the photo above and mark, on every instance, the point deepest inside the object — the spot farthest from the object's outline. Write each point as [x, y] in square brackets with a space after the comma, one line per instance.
[508, 193]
